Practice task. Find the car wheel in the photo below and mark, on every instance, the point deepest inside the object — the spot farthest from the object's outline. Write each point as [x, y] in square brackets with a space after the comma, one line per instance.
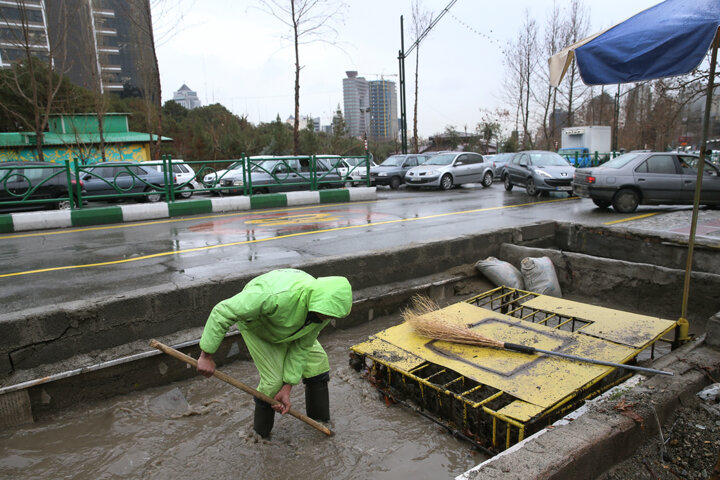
[63, 205]
[601, 203]
[487, 179]
[531, 188]
[395, 183]
[446, 182]
[187, 192]
[626, 201]
[153, 196]
[507, 182]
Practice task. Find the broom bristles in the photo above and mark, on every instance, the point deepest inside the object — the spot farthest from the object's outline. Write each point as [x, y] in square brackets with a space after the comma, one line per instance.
[420, 317]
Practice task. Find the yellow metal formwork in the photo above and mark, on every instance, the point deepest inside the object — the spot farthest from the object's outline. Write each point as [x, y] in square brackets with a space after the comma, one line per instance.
[496, 397]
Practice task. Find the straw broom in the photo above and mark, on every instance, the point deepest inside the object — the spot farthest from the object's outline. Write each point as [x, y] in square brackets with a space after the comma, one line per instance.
[420, 317]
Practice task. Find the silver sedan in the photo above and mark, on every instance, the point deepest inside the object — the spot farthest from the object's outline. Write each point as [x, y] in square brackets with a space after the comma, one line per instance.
[653, 178]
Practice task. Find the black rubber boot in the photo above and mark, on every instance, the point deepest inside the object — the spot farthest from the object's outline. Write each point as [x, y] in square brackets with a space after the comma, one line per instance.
[264, 418]
[317, 398]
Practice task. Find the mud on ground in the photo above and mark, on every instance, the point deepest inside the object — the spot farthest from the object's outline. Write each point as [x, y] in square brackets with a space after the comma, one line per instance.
[688, 448]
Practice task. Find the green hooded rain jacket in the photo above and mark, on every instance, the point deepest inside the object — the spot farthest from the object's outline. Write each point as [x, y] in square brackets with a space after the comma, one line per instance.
[271, 313]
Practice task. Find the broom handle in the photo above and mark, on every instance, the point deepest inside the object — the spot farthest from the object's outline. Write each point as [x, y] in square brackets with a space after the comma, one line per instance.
[532, 350]
[236, 383]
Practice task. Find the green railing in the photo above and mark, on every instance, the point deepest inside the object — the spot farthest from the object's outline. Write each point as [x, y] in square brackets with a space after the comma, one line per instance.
[64, 185]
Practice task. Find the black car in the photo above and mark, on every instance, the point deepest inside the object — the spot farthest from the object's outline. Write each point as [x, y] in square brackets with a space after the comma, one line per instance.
[33, 181]
[105, 180]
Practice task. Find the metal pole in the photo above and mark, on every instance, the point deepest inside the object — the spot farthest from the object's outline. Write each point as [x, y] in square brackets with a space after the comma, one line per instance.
[683, 325]
[401, 61]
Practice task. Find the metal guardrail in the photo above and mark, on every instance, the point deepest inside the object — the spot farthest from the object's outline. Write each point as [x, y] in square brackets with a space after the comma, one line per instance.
[581, 160]
[20, 187]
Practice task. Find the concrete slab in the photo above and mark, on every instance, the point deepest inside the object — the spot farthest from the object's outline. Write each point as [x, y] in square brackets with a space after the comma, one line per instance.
[41, 220]
[144, 211]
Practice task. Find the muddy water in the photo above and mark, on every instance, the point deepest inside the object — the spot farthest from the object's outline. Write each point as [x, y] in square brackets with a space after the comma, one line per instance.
[202, 428]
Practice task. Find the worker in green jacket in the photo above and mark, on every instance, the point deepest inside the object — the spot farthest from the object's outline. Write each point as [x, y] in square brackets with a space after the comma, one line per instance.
[280, 315]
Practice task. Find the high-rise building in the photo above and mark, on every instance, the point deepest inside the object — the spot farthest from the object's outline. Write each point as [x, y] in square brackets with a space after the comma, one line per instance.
[186, 97]
[357, 107]
[383, 110]
[103, 45]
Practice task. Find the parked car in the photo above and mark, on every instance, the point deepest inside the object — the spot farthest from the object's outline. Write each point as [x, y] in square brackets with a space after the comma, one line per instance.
[539, 171]
[392, 170]
[211, 178]
[449, 169]
[499, 162]
[22, 181]
[115, 179]
[354, 169]
[641, 178]
[280, 174]
[185, 177]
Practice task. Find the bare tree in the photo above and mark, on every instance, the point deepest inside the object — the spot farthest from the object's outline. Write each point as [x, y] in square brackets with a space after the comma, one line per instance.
[575, 28]
[310, 21]
[32, 81]
[521, 65]
[421, 20]
[547, 100]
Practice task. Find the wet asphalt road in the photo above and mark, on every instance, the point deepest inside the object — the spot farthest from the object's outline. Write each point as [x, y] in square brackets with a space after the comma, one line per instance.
[52, 267]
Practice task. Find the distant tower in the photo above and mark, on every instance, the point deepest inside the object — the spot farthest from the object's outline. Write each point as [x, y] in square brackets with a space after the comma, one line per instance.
[357, 106]
[186, 97]
[383, 110]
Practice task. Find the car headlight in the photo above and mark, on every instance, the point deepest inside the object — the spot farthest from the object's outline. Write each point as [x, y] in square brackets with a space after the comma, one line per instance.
[543, 173]
[382, 174]
[433, 173]
[237, 183]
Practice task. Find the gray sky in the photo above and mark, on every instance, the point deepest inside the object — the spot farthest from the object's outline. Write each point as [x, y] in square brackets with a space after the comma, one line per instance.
[232, 53]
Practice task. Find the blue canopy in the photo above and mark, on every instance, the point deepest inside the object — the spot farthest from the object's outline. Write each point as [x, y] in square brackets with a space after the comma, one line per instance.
[668, 39]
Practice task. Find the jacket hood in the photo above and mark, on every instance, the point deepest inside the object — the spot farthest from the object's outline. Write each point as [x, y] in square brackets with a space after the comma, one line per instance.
[331, 296]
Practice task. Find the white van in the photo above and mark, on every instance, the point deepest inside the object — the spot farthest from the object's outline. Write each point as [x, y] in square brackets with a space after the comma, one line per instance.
[185, 176]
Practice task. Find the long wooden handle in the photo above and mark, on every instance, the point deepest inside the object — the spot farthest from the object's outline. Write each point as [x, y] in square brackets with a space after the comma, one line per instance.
[236, 383]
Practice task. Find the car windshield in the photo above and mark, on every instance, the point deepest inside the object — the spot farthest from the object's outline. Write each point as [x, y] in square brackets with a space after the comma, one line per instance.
[621, 161]
[442, 159]
[393, 161]
[354, 162]
[547, 159]
[263, 165]
[571, 151]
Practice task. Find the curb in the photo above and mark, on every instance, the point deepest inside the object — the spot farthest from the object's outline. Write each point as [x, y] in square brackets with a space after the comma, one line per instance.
[586, 445]
[44, 220]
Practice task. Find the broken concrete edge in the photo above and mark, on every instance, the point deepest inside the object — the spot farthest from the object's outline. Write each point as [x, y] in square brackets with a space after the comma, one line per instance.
[44, 220]
[598, 436]
[52, 387]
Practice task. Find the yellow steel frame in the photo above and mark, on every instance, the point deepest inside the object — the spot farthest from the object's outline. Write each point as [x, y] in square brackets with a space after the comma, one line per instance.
[405, 361]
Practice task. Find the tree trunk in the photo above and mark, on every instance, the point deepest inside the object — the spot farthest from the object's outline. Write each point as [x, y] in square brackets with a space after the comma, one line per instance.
[296, 126]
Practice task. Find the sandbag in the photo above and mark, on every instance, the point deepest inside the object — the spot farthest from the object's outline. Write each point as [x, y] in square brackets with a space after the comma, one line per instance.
[539, 276]
[500, 273]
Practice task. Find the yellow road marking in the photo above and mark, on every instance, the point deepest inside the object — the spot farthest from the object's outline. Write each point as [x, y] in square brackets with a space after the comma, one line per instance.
[245, 242]
[630, 219]
[174, 220]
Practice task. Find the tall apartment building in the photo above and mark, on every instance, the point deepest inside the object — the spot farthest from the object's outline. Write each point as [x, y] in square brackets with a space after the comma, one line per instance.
[186, 97]
[383, 111]
[357, 104]
[103, 45]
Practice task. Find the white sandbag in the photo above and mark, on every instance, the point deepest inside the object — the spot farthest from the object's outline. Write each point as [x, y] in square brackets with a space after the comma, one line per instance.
[500, 273]
[539, 276]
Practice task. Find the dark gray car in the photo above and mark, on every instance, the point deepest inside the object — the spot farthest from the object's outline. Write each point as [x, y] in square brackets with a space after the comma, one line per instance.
[116, 179]
[654, 178]
[281, 174]
[539, 171]
[392, 170]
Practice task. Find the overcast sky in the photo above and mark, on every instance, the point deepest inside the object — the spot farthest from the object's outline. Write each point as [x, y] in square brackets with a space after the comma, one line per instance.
[231, 53]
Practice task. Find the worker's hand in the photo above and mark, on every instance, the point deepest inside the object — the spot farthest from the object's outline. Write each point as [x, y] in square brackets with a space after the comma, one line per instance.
[283, 396]
[206, 364]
